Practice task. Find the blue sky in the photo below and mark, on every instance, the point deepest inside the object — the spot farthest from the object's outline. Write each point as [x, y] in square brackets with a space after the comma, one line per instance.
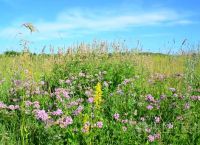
[155, 23]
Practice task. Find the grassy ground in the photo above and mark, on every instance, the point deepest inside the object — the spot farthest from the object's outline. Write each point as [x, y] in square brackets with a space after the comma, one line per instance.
[100, 98]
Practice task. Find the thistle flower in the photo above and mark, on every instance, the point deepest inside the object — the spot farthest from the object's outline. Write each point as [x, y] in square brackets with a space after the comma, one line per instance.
[98, 95]
[151, 138]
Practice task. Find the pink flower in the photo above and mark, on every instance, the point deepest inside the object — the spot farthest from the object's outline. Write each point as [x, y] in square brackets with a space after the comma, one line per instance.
[41, 115]
[157, 119]
[116, 116]
[99, 124]
[169, 125]
[78, 110]
[187, 106]
[150, 98]
[64, 122]
[151, 138]
[148, 130]
[2, 105]
[36, 104]
[125, 121]
[11, 107]
[91, 100]
[57, 112]
[157, 136]
[149, 107]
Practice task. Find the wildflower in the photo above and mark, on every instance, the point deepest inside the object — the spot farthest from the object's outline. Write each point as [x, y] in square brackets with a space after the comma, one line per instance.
[28, 103]
[105, 84]
[142, 119]
[187, 106]
[173, 90]
[151, 138]
[148, 130]
[86, 127]
[57, 112]
[150, 98]
[91, 100]
[11, 107]
[36, 104]
[68, 81]
[41, 115]
[2, 105]
[125, 121]
[98, 95]
[157, 119]
[64, 122]
[157, 136]
[78, 110]
[99, 124]
[169, 125]
[116, 116]
[149, 107]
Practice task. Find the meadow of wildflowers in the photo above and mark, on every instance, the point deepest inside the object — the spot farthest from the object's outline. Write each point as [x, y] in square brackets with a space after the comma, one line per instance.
[96, 97]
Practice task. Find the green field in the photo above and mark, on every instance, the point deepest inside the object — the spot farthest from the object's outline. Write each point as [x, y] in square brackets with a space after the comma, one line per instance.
[99, 97]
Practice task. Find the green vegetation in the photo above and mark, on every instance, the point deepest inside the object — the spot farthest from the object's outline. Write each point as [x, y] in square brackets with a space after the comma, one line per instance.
[91, 96]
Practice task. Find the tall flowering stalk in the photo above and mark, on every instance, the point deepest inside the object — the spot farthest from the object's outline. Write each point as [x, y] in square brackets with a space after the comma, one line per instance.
[98, 95]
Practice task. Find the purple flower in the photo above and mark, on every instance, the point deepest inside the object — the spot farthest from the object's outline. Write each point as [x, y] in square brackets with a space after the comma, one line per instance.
[91, 100]
[149, 107]
[99, 124]
[41, 115]
[157, 119]
[150, 98]
[116, 116]
[36, 104]
[173, 90]
[170, 126]
[11, 107]
[187, 106]
[68, 81]
[78, 110]
[157, 136]
[2, 105]
[28, 103]
[57, 112]
[151, 138]
[125, 121]
[64, 122]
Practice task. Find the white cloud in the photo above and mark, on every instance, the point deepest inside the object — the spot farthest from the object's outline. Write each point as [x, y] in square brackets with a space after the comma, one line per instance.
[72, 22]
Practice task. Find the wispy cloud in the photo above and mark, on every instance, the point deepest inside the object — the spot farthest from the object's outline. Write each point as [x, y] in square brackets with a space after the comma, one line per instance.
[76, 21]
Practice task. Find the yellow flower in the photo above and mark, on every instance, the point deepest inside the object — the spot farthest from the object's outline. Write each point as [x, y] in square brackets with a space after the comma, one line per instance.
[98, 95]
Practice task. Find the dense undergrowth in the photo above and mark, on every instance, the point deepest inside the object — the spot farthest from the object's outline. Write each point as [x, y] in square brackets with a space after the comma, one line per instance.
[98, 98]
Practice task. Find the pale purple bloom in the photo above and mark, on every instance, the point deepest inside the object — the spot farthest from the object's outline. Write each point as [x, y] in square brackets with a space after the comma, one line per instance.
[125, 121]
[187, 106]
[170, 126]
[157, 119]
[36, 104]
[99, 124]
[149, 107]
[11, 107]
[88, 93]
[65, 121]
[151, 138]
[57, 112]
[150, 98]
[41, 115]
[2, 105]
[91, 100]
[157, 136]
[173, 90]
[78, 110]
[116, 116]
[28, 103]
[68, 81]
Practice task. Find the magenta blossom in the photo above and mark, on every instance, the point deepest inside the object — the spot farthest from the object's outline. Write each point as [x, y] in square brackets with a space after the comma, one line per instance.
[149, 107]
[99, 124]
[58, 112]
[41, 115]
[91, 100]
[116, 116]
[151, 138]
